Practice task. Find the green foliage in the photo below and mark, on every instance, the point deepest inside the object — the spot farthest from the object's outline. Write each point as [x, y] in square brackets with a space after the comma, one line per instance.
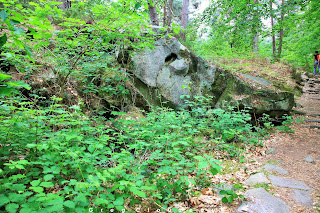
[56, 159]
[230, 195]
[7, 88]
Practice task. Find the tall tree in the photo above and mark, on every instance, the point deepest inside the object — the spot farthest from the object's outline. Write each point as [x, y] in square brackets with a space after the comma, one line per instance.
[272, 31]
[281, 29]
[170, 13]
[153, 13]
[184, 19]
[256, 25]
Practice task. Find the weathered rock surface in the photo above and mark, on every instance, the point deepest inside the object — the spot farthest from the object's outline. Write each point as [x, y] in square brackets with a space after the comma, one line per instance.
[309, 159]
[271, 151]
[304, 198]
[257, 178]
[260, 201]
[288, 183]
[170, 71]
[273, 168]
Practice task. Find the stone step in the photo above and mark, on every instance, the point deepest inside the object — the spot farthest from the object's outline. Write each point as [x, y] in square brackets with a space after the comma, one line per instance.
[272, 168]
[315, 115]
[311, 120]
[288, 183]
[259, 200]
[314, 127]
[313, 91]
[316, 98]
[302, 197]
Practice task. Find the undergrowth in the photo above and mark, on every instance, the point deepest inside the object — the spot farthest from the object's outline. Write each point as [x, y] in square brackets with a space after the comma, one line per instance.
[56, 159]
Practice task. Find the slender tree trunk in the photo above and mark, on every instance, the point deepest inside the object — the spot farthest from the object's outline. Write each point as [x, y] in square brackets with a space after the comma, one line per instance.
[170, 6]
[184, 19]
[153, 13]
[255, 47]
[165, 14]
[272, 32]
[281, 30]
[66, 4]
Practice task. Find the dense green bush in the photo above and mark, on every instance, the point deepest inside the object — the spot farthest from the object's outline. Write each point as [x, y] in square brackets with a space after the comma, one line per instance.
[57, 159]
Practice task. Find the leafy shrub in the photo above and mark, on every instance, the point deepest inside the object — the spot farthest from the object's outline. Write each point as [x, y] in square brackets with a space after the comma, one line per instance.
[57, 159]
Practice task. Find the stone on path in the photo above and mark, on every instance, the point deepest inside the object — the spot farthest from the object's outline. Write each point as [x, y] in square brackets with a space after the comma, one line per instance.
[271, 151]
[310, 120]
[272, 168]
[298, 112]
[315, 115]
[314, 127]
[309, 159]
[260, 201]
[257, 178]
[289, 183]
[304, 198]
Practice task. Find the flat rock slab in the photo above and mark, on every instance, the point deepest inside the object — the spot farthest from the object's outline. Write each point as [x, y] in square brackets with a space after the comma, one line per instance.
[302, 197]
[289, 183]
[315, 115]
[298, 112]
[272, 168]
[257, 79]
[311, 120]
[314, 127]
[316, 98]
[260, 201]
[257, 178]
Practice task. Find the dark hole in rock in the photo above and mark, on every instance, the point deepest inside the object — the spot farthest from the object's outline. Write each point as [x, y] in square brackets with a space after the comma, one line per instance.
[170, 58]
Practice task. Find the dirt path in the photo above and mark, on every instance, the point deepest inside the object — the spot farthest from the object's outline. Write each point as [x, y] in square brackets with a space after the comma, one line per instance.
[292, 149]
[282, 149]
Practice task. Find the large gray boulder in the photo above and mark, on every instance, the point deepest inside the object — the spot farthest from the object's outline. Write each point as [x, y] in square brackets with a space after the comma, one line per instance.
[169, 71]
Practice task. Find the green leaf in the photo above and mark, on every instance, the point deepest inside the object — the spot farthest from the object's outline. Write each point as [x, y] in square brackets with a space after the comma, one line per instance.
[37, 189]
[4, 200]
[223, 192]
[230, 199]
[4, 15]
[139, 193]
[28, 50]
[14, 22]
[3, 40]
[4, 76]
[18, 31]
[35, 182]
[48, 177]
[91, 148]
[70, 204]
[224, 200]
[119, 201]
[12, 207]
[47, 184]
[214, 171]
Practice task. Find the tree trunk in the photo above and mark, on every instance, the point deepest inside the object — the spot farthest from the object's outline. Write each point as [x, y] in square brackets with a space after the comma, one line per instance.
[66, 4]
[255, 47]
[272, 32]
[165, 14]
[153, 13]
[184, 19]
[281, 30]
[170, 6]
